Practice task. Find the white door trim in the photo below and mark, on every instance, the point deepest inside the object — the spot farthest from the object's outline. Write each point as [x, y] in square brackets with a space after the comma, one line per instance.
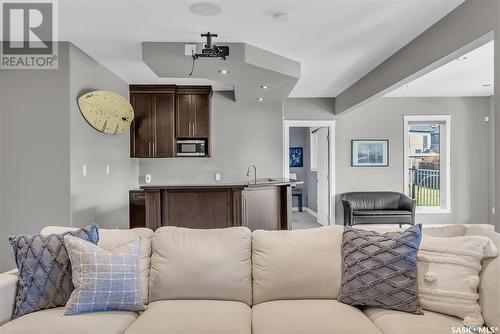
[331, 144]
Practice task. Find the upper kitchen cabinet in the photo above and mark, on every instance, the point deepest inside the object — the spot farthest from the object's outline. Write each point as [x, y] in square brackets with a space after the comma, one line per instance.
[166, 116]
[153, 128]
[192, 112]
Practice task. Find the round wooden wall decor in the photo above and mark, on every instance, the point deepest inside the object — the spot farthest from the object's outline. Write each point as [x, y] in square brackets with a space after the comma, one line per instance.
[107, 112]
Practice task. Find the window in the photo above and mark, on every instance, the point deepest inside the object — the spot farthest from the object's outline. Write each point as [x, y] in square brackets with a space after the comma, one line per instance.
[427, 162]
[313, 136]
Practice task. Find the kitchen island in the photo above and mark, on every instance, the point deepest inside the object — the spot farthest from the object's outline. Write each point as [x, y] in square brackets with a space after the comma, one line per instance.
[264, 204]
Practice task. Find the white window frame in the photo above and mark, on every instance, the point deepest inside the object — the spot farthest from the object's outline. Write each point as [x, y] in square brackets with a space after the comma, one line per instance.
[445, 160]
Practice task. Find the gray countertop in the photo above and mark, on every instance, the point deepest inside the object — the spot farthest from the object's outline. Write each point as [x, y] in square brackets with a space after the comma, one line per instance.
[266, 182]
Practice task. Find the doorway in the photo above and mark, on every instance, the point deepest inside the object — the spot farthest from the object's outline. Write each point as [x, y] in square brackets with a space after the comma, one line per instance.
[308, 158]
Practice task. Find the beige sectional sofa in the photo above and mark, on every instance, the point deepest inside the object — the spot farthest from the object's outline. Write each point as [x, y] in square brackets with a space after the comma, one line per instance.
[237, 282]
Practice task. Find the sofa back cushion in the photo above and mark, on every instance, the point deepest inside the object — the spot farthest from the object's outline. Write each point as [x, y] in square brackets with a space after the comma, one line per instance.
[300, 264]
[212, 264]
[111, 238]
[489, 291]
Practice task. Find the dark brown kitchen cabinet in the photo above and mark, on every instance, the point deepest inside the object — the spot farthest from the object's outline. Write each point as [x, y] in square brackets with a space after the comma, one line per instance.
[266, 207]
[141, 128]
[164, 121]
[154, 121]
[192, 111]
[165, 113]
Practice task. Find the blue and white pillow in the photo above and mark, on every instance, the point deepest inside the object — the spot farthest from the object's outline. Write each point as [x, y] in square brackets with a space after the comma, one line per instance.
[104, 280]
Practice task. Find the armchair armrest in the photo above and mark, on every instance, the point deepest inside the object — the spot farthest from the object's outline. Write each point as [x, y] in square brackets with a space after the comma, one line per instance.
[8, 292]
[409, 204]
[347, 212]
[406, 203]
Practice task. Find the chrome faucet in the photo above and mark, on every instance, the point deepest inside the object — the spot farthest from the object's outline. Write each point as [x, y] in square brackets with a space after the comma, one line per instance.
[254, 172]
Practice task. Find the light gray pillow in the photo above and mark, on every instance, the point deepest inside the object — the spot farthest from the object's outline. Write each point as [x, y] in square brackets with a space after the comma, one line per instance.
[380, 269]
[104, 280]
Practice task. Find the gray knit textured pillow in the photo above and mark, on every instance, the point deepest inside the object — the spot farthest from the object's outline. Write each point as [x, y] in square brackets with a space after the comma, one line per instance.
[45, 279]
[380, 269]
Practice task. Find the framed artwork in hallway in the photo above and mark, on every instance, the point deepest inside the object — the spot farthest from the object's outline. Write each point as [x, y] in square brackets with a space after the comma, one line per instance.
[296, 157]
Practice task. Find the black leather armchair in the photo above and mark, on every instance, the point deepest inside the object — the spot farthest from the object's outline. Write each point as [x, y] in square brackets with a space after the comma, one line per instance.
[381, 207]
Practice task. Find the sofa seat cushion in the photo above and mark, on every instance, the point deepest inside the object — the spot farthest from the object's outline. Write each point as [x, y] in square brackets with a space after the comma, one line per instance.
[193, 317]
[381, 213]
[397, 322]
[53, 322]
[309, 316]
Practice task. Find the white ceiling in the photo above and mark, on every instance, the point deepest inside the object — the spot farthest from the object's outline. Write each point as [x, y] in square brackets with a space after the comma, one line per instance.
[457, 78]
[336, 42]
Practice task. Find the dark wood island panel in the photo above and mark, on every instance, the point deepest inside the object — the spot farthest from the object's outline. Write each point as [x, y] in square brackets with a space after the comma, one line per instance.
[265, 207]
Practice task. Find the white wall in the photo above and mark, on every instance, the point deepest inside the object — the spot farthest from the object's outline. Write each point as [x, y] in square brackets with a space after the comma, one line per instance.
[242, 134]
[98, 196]
[470, 152]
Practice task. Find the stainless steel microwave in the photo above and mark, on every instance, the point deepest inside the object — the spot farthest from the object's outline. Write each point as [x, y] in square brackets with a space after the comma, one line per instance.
[191, 148]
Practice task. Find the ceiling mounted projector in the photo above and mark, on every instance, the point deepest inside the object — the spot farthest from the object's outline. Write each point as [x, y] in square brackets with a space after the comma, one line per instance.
[211, 50]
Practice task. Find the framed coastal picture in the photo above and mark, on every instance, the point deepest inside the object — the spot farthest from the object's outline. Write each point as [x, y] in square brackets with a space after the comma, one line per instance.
[296, 157]
[369, 153]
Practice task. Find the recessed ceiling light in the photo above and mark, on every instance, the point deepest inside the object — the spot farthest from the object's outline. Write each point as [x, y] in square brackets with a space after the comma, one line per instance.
[260, 99]
[283, 17]
[223, 71]
[487, 85]
[264, 87]
[205, 9]
[462, 58]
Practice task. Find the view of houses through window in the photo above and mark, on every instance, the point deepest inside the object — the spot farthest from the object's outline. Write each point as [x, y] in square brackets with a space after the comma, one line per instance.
[424, 165]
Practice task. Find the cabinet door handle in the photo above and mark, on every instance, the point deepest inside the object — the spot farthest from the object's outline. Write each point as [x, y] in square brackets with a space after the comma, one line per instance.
[154, 149]
[149, 149]
[192, 124]
[189, 129]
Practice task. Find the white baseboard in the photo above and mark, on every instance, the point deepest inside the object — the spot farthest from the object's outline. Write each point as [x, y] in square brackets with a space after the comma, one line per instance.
[309, 211]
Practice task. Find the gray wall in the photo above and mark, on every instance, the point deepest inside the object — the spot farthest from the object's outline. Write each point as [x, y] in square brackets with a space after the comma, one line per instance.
[35, 154]
[497, 124]
[299, 137]
[491, 183]
[98, 196]
[44, 140]
[242, 134]
[470, 150]
[309, 108]
[2, 249]
[438, 45]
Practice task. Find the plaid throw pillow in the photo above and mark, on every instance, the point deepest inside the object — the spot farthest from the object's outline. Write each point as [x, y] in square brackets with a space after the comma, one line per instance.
[380, 269]
[44, 269]
[104, 280]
